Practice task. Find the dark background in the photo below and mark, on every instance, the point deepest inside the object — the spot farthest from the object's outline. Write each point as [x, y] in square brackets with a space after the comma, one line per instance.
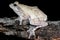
[49, 7]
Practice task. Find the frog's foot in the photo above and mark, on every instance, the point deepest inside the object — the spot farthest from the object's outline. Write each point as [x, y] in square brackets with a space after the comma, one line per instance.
[32, 33]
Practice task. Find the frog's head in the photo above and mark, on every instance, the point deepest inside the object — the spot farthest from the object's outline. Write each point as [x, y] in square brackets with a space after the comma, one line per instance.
[14, 6]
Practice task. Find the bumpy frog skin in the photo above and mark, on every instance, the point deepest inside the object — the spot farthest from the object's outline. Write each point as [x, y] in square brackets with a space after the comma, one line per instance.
[35, 16]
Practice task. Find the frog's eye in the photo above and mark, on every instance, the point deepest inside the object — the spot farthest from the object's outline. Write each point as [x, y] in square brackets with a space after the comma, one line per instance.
[15, 5]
